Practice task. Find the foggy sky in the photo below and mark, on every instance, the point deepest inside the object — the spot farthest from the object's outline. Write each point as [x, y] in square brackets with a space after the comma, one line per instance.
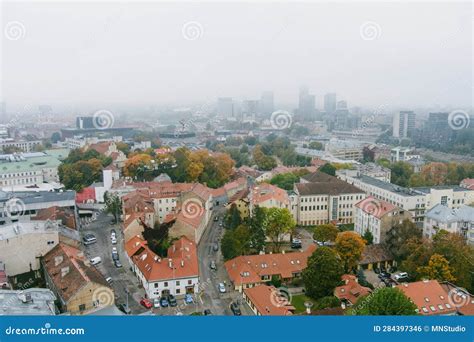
[137, 53]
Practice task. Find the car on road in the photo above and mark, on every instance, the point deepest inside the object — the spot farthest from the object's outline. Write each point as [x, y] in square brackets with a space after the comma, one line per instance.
[146, 303]
[89, 239]
[216, 218]
[213, 265]
[156, 303]
[95, 261]
[109, 280]
[113, 233]
[172, 300]
[383, 275]
[207, 312]
[215, 247]
[221, 224]
[221, 288]
[296, 243]
[125, 309]
[113, 240]
[188, 299]
[235, 309]
[117, 263]
[115, 255]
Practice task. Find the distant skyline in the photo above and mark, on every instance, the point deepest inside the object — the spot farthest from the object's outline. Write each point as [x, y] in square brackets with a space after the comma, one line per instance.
[107, 54]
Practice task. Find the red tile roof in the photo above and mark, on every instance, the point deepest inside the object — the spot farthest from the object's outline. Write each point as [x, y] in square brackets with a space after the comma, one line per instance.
[351, 290]
[181, 262]
[87, 194]
[265, 192]
[429, 296]
[267, 301]
[249, 269]
[376, 207]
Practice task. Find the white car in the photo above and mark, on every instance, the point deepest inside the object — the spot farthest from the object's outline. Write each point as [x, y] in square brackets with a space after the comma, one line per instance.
[114, 240]
[221, 288]
[156, 302]
[95, 261]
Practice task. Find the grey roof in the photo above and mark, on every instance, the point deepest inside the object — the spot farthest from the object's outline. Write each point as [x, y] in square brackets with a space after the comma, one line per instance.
[322, 184]
[389, 186]
[30, 197]
[442, 213]
[27, 302]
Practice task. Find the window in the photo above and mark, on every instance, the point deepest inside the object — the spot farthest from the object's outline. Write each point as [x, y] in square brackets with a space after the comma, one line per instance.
[190, 282]
[165, 284]
[82, 307]
[178, 291]
[177, 283]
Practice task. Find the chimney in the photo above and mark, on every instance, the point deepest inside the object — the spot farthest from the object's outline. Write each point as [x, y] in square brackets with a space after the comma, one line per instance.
[64, 271]
[182, 263]
[170, 263]
[58, 259]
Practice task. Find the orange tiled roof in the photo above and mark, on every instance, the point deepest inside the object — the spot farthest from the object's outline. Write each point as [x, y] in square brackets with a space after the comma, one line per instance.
[429, 296]
[134, 245]
[249, 269]
[266, 301]
[101, 147]
[376, 207]
[181, 262]
[264, 192]
[351, 290]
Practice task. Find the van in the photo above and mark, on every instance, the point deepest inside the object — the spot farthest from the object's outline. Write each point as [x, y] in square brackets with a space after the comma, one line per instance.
[95, 261]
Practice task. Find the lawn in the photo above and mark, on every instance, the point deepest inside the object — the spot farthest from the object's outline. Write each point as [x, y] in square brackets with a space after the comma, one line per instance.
[298, 302]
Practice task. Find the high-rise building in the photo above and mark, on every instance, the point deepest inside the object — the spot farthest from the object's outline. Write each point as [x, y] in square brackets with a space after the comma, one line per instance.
[267, 106]
[436, 131]
[225, 107]
[85, 122]
[306, 106]
[330, 100]
[250, 109]
[403, 124]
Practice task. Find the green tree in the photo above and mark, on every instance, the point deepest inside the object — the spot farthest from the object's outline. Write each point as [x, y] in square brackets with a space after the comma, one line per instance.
[368, 237]
[323, 273]
[113, 205]
[398, 235]
[328, 169]
[385, 301]
[280, 222]
[316, 145]
[232, 219]
[325, 232]
[350, 246]
[401, 173]
[257, 223]
[285, 181]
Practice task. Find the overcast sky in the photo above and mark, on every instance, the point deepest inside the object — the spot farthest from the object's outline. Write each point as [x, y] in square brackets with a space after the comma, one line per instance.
[369, 53]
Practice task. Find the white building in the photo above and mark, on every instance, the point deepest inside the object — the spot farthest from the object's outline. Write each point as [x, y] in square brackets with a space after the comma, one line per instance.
[369, 169]
[79, 141]
[178, 274]
[24, 145]
[23, 244]
[459, 220]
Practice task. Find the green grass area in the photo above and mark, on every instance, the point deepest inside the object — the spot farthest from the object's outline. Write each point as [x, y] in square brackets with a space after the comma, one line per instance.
[298, 302]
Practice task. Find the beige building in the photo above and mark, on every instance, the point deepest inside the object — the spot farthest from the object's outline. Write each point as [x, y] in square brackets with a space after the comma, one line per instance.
[79, 286]
[323, 199]
[22, 244]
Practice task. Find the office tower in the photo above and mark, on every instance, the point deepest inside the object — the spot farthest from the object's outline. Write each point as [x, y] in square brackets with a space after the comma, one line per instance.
[436, 131]
[306, 106]
[330, 100]
[85, 122]
[225, 107]
[266, 102]
[403, 124]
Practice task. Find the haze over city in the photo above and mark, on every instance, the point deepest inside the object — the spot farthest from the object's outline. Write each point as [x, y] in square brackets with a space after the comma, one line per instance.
[105, 54]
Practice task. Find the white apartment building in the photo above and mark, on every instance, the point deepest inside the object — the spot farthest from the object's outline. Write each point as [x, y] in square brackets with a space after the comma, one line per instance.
[23, 243]
[79, 141]
[24, 145]
[369, 169]
[459, 220]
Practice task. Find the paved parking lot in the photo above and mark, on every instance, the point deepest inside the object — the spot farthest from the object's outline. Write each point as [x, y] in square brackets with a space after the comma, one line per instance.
[123, 279]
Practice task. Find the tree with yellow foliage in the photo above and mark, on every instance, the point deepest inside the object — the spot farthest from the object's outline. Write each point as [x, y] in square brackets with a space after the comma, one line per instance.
[349, 246]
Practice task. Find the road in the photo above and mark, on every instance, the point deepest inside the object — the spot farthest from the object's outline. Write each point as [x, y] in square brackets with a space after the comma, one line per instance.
[123, 279]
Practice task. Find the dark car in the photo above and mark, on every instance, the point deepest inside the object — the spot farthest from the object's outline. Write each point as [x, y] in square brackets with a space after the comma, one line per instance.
[207, 312]
[164, 302]
[117, 263]
[296, 243]
[235, 309]
[172, 300]
[215, 247]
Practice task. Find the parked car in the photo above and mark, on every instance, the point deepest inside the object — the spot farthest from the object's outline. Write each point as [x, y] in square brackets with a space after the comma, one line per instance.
[125, 309]
[95, 261]
[156, 303]
[215, 247]
[146, 303]
[172, 300]
[117, 263]
[115, 255]
[113, 233]
[235, 309]
[400, 276]
[113, 240]
[216, 218]
[109, 280]
[207, 312]
[221, 288]
[188, 299]
[89, 239]
[296, 243]
[213, 265]
[164, 302]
